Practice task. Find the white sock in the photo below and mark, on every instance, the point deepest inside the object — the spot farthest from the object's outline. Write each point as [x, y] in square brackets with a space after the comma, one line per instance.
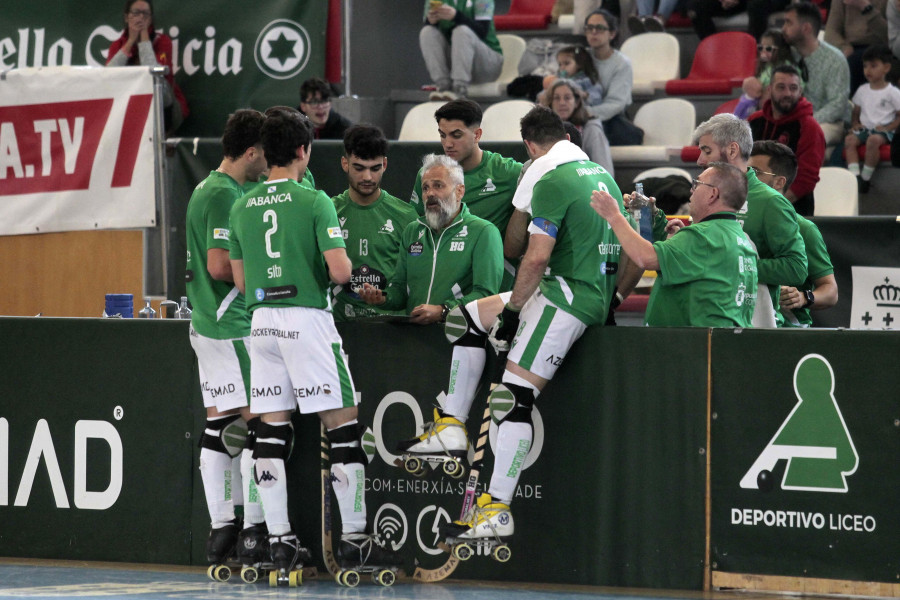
[272, 488]
[215, 470]
[253, 509]
[853, 168]
[348, 481]
[513, 443]
[237, 482]
[867, 172]
[466, 367]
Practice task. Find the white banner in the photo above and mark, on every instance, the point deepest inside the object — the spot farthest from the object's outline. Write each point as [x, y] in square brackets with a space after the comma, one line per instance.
[76, 149]
[876, 298]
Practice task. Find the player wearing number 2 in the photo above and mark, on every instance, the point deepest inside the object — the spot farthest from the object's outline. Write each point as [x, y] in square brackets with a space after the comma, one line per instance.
[286, 244]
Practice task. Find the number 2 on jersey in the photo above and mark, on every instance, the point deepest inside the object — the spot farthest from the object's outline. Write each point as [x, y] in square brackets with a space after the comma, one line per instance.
[272, 229]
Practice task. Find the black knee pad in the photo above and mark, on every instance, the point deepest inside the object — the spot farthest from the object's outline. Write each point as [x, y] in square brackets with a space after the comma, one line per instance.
[250, 442]
[267, 437]
[511, 402]
[461, 330]
[346, 434]
[213, 432]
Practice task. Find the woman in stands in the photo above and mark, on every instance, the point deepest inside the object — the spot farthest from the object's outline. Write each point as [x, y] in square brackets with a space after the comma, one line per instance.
[566, 99]
[141, 44]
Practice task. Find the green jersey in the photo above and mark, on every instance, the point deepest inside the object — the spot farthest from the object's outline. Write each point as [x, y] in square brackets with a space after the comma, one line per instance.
[490, 188]
[819, 266]
[308, 180]
[476, 10]
[372, 234]
[219, 310]
[581, 274]
[771, 223]
[280, 230]
[706, 277]
[461, 263]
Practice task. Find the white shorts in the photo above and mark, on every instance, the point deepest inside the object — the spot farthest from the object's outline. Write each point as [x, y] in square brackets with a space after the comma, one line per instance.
[224, 371]
[546, 333]
[296, 360]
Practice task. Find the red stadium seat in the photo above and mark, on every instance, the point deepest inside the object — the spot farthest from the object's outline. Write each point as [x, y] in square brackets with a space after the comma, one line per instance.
[525, 14]
[690, 154]
[722, 62]
[634, 303]
[727, 107]
[885, 151]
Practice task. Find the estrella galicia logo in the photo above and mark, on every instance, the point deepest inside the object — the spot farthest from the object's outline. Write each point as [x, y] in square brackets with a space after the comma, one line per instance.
[416, 248]
[282, 49]
[390, 523]
[814, 438]
[260, 294]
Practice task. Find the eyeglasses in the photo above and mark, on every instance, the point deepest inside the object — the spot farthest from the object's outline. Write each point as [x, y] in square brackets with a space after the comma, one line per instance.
[596, 28]
[696, 182]
[139, 13]
[759, 171]
[760, 48]
[317, 102]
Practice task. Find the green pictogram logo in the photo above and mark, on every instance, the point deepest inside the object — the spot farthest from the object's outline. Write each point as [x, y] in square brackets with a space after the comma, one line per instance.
[814, 438]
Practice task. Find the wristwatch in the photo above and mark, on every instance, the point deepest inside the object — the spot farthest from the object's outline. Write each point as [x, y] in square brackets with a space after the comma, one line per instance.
[445, 310]
[810, 298]
[869, 8]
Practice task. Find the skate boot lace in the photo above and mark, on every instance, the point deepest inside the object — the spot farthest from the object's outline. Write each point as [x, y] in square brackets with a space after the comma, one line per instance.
[365, 545]
[479, 513]
[429, 430]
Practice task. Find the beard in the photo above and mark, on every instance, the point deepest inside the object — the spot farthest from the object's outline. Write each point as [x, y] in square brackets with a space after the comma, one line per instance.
[439, 218]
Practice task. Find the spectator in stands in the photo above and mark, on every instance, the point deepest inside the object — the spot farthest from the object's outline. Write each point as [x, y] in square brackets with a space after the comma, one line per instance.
[575, 63]
[822, 67]
[490, 178]
[758, 12]
[372, 221]
[768, 218]
[876, 115]
[141, 44]
[448, 257]
[460, 46]
[708, 271]
[702, 12]
[776, 165]
[773, 51]
[651, 17]
[853, 26]
[315, 103]
[566, 99]
[893, 26]
[788, 118]
[615, 75]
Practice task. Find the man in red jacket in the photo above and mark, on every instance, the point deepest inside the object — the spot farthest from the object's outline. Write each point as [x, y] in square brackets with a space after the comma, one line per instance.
[787, 117]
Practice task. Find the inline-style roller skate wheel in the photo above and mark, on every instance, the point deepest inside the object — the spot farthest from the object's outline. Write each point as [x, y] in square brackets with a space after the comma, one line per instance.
[463, 551]
[501, 553]
[249, 575]
[453, 468]
[385, 577]
[413, 465]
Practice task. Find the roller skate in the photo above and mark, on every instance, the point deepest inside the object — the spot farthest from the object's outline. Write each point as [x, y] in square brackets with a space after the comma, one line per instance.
[444, 442]
[221, 551]
[253, 553]
[363, 553]
[487, 531]
[288, 557]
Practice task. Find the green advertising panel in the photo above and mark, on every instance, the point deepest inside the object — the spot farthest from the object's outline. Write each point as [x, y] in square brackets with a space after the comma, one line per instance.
[804, 454]
[96, 439]
[225, 56]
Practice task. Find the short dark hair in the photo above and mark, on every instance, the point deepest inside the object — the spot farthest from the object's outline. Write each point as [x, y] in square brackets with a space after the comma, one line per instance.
[241, 132]
[365, 141]
[787, 70]
[573, 133]
[462, 109]
[782, 160]
[130, 3]
[731, 183]
[282, 133]
[313, 85]
[542, 126]
[612, 21]
[878, 52]
[807, 12]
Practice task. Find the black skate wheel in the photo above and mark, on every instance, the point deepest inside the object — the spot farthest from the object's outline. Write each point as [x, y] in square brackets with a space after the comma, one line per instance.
[453, 468]
[463, 551]
[501, 553]
[413, 465]
[385, 577]
[249, 575]
[350, 578]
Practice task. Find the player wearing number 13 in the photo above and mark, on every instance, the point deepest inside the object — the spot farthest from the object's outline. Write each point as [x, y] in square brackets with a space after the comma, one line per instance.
[280, 233]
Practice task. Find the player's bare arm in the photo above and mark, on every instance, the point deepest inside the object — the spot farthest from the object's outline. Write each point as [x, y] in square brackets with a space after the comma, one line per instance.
[339, 265]
[237, 271]
[531, 269]
[637, 248]
[218, 264]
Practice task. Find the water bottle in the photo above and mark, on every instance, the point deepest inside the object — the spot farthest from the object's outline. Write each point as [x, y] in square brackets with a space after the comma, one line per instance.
[147, 312]
[640, 210]
[183, 312]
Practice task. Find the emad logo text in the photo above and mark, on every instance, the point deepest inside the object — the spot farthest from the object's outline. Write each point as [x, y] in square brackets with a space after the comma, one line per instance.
[814, 438]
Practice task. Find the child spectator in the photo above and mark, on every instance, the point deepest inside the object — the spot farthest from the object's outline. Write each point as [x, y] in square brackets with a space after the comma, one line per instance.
[876, 115]
[773, 52]
[575, 63]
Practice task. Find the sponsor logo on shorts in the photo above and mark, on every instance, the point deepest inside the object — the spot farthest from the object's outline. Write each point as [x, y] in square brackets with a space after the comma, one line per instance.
[264, 392]
[215, 392]
[272, 332]
[310, 392]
